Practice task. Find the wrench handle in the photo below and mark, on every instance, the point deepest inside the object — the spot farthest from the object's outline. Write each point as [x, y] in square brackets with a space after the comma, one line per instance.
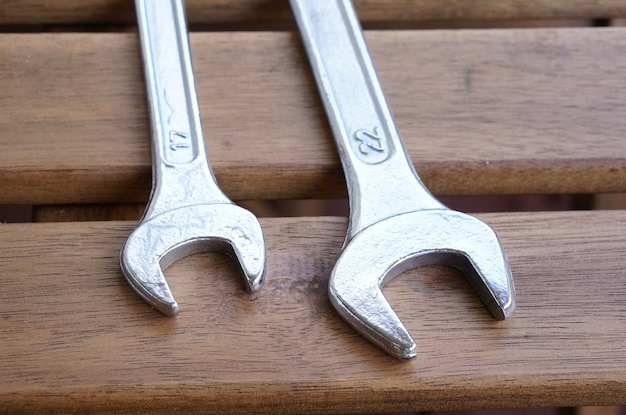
[178, 150]
[380, 177]
[174, 111]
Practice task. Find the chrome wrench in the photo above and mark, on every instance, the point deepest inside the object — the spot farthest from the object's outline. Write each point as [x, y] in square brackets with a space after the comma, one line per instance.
[187, 212]
[395, 223]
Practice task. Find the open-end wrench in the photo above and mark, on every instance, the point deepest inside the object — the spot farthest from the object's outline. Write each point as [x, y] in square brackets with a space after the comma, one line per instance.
[395, 223]
[187, 212]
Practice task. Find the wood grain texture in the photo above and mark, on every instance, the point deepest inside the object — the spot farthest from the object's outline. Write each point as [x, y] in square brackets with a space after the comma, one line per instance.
[271, 11]
[481, 112]
[75, 338]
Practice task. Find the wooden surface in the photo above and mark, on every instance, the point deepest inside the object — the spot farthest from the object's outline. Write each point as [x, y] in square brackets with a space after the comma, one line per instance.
[481, 112]
[272, 11]
[75, 338]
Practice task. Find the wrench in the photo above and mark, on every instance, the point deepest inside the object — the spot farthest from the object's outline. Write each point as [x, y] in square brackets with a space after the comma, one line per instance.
[187, 212]
[395, 223]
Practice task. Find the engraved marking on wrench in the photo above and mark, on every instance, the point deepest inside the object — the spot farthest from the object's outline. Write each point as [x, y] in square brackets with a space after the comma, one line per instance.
[372, 148]
[179, 148]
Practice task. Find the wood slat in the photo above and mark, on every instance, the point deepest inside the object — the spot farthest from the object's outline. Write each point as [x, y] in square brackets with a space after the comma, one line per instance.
[75, 338]
[271, 11]
[88, 212]
[500, 111]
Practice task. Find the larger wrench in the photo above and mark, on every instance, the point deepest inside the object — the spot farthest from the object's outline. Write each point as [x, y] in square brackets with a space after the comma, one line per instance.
[395, 223]
[187, 212]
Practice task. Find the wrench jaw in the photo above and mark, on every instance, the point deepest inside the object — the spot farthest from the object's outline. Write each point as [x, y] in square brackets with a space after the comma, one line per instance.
[148, 280]
[382, 251]
[374, 319]
[160, 241]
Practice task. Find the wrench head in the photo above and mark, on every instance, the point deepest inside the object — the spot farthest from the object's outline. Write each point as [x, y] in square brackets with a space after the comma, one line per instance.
[382, 251]
[161, 240]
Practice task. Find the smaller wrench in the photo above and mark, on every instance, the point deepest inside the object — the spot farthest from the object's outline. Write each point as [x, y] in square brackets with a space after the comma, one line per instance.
[395, 223]
[187, 212]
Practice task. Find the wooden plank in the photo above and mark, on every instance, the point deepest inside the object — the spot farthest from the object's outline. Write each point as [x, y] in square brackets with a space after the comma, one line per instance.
[598, 410]
[80, 213]
[271, 11]
[484, 111]
[610, 201]
[75, 338]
